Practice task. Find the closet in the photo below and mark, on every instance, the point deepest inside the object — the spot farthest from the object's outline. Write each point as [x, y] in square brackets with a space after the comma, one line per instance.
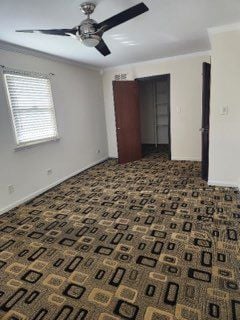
[155, 114]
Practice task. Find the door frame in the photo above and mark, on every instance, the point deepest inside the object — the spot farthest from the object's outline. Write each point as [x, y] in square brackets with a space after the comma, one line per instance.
[166, 76]
[205, 127]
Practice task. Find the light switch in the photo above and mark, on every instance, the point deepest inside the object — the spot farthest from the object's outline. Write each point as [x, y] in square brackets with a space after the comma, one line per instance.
[224, 111]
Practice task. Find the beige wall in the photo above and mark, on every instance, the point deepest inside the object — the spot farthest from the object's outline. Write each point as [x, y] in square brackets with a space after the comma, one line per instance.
[225, 92]
[186, 101]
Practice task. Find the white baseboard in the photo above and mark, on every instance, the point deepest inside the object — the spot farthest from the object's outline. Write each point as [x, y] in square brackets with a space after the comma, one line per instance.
[223, 184]
[37, 193]
[185, 159]
[173, 158]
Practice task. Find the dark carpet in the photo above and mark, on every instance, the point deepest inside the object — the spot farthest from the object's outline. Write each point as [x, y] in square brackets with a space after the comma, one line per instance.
[147, 240]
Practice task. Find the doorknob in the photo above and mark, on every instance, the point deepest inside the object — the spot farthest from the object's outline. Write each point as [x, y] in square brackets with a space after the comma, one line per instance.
[118, 128]
[203, 129]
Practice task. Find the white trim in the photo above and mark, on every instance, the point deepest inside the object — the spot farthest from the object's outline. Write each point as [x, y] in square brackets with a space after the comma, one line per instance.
[6, 46]
[185, 159]
[227, 184]
[27, 145]
[39, 192]
[224, 28]
[159, 60]
[173, 158]
[10, 114]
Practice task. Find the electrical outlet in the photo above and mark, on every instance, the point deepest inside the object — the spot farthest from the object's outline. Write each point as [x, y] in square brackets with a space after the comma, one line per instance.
[49, 172]
[11, 189]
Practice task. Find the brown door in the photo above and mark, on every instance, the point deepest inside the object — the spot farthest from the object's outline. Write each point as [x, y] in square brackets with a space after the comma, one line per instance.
[205, 118]
[127, 112]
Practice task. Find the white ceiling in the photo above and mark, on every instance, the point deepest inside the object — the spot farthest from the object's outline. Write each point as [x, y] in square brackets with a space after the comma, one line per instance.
[170, 28]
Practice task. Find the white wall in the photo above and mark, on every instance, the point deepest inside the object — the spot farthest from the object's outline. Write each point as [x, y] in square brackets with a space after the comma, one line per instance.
[78, 99]
[225, 129]
[186, 101]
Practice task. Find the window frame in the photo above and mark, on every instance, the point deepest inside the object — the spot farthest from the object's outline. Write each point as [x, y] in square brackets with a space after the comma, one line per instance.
[23, 145]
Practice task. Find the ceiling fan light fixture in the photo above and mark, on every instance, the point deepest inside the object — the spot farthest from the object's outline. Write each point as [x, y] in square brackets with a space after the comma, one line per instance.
[90, 40]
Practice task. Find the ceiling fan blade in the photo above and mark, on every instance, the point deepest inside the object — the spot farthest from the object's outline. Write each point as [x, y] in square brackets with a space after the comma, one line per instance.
[103, 48]
[123, 16]
[56, 32]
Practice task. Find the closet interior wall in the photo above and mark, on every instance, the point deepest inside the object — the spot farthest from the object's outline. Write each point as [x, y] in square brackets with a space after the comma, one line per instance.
[154, 107]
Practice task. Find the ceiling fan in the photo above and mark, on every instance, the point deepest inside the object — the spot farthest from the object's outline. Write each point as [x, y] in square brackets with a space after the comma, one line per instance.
[89, 32]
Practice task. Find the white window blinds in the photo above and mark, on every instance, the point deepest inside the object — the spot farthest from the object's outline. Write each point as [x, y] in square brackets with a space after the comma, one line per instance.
[31, 102]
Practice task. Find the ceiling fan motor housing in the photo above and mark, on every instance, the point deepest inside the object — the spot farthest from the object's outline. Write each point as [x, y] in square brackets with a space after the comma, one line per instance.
[87, 30]
[87, 33]
[88, 26]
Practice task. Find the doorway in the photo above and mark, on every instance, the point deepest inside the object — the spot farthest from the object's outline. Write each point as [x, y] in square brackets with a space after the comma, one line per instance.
[154, 103]
[142, 113]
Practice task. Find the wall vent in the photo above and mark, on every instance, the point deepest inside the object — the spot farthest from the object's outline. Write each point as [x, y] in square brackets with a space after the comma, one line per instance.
[120, 77]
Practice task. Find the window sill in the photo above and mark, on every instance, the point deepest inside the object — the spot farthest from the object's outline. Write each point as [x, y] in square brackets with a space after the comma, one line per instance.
[34, 143]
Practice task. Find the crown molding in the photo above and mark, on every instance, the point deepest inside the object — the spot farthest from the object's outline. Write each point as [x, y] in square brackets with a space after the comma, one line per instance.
[159, 60]
[224, 28]
[7, 46]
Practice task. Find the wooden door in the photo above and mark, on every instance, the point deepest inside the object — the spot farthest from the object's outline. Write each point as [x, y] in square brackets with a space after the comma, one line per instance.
[127, 112]
[205, 118]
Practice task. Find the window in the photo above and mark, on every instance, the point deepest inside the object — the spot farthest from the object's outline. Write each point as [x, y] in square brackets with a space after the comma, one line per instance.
[32, 109]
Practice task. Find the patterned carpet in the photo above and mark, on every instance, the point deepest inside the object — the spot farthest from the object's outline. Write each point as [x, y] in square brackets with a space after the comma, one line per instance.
[148, 240]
